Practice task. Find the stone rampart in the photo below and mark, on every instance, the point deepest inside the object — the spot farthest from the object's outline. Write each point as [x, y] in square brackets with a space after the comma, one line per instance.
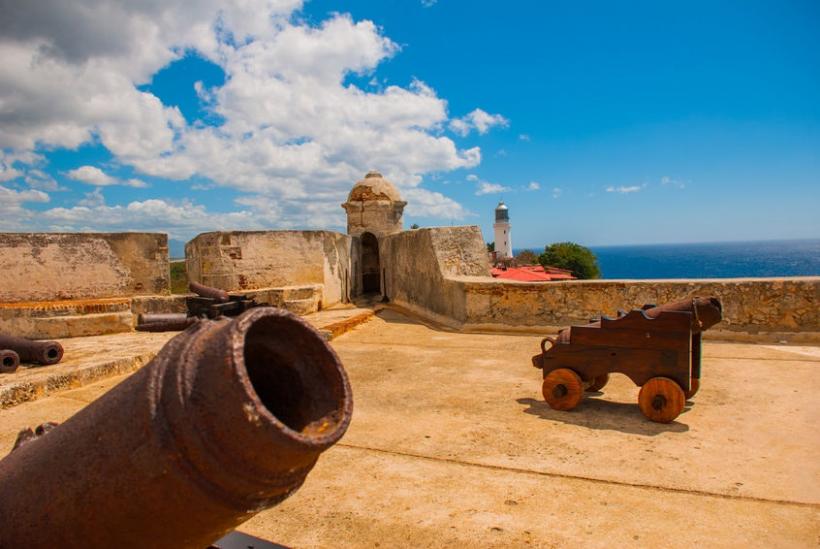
[422, 267]
[753, 309]
[442, 274]
[63, 266]
[253, 260]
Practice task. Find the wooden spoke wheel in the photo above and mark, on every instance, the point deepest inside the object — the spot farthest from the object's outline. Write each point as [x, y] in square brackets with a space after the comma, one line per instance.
[598, 383]
[562, 389]
[694, 385]
[661, 399]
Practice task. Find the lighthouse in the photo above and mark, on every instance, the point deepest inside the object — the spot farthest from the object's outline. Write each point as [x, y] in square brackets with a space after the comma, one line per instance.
[503, 240]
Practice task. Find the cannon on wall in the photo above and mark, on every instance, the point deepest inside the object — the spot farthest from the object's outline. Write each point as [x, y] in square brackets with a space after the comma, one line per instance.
[658, 348]
[226, 421]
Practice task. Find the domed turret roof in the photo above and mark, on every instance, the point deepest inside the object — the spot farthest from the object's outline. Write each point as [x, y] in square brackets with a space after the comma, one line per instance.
[374, 187]
[501, 206]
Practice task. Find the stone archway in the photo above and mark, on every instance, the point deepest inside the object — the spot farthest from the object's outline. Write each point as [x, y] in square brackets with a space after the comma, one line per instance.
[371, 270]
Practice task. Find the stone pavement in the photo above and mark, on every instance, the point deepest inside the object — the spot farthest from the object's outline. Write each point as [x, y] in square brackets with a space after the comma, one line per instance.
[452, 445]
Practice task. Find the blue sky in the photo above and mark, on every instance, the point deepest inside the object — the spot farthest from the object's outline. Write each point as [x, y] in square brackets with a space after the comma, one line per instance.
[596, 122]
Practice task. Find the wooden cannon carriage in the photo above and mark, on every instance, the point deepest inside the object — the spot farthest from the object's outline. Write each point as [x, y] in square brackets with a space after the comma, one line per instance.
[658, 348]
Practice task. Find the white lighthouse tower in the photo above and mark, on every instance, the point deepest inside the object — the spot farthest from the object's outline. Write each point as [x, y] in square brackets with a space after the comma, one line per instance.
[503, 240]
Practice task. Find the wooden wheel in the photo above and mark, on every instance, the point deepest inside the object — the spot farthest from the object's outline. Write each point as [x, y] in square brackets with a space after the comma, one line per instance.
[562, 389]
[661, 399]
[694, 385]
[598, 383]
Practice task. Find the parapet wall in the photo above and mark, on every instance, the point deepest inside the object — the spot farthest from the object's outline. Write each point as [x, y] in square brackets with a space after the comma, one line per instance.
[422, 266]
[761, 308]
[62, 266]
[253, 260]
[442, 274]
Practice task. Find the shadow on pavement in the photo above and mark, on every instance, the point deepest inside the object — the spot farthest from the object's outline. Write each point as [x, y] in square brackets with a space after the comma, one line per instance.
[599, 414]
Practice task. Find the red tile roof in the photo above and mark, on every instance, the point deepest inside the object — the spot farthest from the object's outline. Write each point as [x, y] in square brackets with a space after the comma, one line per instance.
[532, 273]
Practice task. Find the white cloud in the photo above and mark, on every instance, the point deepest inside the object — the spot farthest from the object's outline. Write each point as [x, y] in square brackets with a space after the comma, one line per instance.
[478, 120]
[13, 214]
[472, 177]
[182, 220]
[533, 186]
[485, 187]
[91, 175]
[293, 129]
[556, 192]
[624, 190]
[428, 3]
[523, 137]
[95, 176]
[667, 181]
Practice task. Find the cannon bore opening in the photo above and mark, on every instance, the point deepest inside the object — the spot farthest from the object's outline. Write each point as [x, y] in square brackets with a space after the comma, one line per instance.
[8, 361]
[52, 353]
[294, 375]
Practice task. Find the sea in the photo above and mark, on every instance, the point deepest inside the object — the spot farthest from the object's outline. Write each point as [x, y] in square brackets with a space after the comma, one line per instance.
[708, 260]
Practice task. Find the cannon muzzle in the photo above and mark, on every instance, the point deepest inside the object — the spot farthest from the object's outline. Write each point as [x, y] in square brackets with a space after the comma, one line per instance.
[226, 421]
[30, 351]
[9, 361]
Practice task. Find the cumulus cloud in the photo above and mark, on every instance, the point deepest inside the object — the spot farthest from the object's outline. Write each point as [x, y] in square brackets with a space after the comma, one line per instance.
[485, 187]
[292, 128]
[623, 189]
[533, 186]
[556, 192]
[95, 176]
[523, 137]
[184, 219]
[478, 120]
[12, 212]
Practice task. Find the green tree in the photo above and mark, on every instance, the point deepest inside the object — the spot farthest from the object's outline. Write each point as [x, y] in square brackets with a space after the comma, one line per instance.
[526, 257]
[573, 257]
[414, 226]
[491, 246]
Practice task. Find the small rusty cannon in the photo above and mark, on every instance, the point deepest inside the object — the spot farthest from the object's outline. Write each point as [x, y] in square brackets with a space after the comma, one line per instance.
[226, 421]
[658, 348]
[31, 351]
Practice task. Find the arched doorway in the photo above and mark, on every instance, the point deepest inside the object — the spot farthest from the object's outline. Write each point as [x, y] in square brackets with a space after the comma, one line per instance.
[370, 264]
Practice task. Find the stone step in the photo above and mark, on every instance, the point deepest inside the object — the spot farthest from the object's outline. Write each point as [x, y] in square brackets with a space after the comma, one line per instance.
[69, 325]
[301, 306]
[47, 309]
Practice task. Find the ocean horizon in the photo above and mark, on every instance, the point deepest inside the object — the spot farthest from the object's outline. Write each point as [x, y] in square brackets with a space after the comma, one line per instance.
[707, 259]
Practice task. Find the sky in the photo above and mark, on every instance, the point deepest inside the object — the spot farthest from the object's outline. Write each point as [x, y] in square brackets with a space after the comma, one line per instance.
[599, 122]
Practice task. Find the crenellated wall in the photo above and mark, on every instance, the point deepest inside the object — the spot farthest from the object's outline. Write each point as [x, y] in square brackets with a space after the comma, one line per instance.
[65, 266]
[253, 260]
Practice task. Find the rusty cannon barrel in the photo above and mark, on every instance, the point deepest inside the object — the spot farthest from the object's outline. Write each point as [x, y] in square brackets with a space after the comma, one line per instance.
[706, 311]
[206, 291]
[9, 361]
[30, 351]
[226, 421]
[164, 322]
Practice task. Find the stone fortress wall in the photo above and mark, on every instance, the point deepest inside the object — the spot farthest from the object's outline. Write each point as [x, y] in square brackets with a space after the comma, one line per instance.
[442, 274]
[239, 261]
[68, 284]
[58, 266]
